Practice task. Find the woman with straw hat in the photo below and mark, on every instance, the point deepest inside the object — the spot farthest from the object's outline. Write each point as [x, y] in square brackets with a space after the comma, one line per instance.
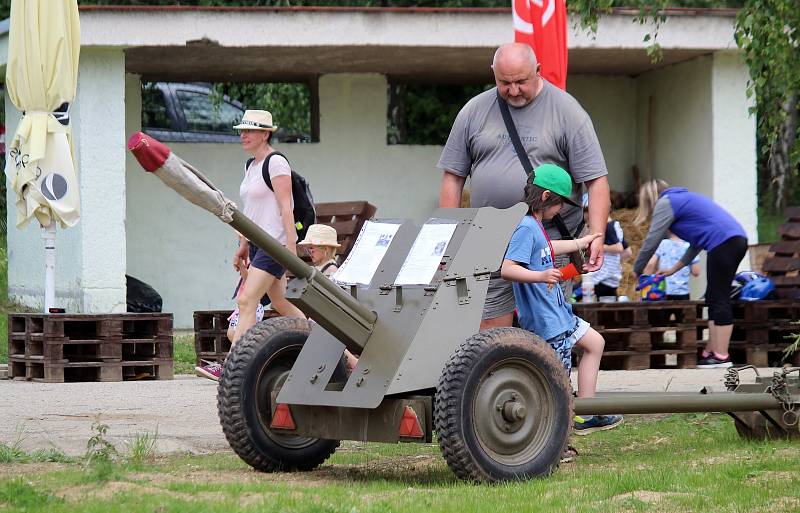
[271, 209]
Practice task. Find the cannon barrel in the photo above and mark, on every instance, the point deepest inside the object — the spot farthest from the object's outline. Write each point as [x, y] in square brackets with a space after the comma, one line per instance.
[659, 402]
[317, 296]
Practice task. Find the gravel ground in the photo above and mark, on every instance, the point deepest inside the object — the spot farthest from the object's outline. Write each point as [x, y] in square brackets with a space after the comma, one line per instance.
[183, 411]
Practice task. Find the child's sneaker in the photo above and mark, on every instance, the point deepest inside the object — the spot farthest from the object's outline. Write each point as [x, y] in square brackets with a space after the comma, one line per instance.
[211, 370]
[589, 424]
[714, 361]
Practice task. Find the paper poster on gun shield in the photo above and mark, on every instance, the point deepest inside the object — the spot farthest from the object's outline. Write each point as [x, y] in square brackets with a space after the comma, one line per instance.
[426, 254]
[367, 253]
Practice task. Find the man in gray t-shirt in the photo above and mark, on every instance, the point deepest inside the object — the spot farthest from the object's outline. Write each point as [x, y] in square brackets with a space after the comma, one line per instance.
[553, 128]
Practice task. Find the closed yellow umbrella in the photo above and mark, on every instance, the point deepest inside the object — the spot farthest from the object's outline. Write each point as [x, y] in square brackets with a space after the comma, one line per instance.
[41, 79]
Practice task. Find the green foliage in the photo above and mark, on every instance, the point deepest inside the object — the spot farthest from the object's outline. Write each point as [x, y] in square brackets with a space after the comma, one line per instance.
[793, 347]
[289, 103]
[100, 453]
[424, 114]
[768, 31]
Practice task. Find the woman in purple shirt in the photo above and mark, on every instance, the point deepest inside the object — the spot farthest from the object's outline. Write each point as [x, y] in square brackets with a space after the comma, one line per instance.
[705, 226]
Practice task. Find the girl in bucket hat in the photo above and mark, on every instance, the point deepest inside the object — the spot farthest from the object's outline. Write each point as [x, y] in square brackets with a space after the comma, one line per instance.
[542, 307]
[321, 245]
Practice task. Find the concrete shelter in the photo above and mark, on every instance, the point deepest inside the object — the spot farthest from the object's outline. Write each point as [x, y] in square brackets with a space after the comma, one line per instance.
[684, 119]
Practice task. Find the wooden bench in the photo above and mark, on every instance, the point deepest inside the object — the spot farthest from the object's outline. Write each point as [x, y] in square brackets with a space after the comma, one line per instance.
[347, 217]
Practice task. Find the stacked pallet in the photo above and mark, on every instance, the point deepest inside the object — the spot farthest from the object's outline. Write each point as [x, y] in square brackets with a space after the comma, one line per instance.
[55, 348]
[644, 335]
[783, 267]
[211, 342]
[761, 331]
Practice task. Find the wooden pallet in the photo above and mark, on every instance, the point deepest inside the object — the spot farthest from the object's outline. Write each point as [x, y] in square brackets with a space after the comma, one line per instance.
[762, 355]
[38, 369]
[74, 347]
[783, 265]
[645, 314]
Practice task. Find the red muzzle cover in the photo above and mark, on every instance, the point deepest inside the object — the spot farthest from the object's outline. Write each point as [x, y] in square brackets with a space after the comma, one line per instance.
[150, 153]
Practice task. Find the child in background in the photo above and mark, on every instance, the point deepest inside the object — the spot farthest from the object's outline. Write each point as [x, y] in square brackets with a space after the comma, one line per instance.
[607, 278]
[541, 304]
[321, 244]
[667, 254]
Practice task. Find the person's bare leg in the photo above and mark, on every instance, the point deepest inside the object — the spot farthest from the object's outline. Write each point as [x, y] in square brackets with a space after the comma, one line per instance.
[504, 321]
[721, 337]
[258, 282]
[711, 345]
[277, 295]
[592, 344]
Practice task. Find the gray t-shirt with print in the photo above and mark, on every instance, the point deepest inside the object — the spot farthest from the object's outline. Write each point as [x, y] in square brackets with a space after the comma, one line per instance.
[553, 128]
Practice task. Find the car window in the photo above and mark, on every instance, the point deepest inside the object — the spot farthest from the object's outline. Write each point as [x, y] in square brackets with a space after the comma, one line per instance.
[203, 116]
[154, 109]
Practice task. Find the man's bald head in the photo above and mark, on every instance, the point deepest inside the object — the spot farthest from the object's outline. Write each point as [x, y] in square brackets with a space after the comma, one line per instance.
[516, 73]
[515, 55]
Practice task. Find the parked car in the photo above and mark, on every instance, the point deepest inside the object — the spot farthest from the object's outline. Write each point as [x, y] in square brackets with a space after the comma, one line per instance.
[177, 112]
[180, 112]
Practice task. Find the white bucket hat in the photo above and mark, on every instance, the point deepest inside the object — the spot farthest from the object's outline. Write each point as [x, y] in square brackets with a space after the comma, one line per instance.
[320, 235]
[256, 120]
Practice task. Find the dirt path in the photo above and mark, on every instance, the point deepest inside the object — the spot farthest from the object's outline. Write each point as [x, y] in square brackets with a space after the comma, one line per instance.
[184, 413]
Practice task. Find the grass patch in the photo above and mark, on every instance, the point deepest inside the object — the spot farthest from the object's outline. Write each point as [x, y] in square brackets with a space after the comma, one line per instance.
[142, 447]
[670, 464]
[15, 454]
[183, 354]
[768, 224]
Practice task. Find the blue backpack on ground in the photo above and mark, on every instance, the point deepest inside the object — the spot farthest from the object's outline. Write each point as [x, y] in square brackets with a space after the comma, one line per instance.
[304, 213]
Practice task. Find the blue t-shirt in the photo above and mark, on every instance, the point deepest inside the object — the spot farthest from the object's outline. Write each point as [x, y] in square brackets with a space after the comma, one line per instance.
[542, 311]
[669, 252]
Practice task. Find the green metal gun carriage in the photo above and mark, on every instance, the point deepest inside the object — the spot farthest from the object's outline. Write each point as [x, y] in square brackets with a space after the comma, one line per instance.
[499, 401]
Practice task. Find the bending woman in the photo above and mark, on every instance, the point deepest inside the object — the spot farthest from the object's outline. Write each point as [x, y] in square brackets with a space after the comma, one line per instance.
[271, 210]
[705, 226]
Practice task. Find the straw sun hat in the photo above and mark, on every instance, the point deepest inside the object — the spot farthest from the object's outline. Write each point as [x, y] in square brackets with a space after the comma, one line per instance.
[256, 120]
[320, 235]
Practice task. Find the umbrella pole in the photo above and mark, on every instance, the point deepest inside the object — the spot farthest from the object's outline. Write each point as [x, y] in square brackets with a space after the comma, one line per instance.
[49, 237]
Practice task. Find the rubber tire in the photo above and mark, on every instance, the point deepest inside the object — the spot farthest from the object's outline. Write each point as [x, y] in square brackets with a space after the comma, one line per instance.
[277, 342]
[453, 407]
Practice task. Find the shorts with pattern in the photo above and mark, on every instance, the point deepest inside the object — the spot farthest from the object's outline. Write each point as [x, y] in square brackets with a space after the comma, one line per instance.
[234, 317]
[563, 344]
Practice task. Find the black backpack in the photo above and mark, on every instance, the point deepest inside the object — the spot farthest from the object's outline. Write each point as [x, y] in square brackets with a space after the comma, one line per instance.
[304, 213]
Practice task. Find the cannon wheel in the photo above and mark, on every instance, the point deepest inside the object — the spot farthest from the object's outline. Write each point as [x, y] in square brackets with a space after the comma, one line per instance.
[503, 408]
[258, 364]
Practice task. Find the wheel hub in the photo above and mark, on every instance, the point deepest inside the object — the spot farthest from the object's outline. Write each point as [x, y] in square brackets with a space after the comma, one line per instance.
[508, 394]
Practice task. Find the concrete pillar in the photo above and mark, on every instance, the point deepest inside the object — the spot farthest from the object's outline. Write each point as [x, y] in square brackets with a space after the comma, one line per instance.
[100, 154]
[734, 139]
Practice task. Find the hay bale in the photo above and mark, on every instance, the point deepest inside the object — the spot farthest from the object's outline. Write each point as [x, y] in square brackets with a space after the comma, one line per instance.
[634, 235]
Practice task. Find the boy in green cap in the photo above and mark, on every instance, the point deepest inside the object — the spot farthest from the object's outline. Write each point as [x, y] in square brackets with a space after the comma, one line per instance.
[541, 305]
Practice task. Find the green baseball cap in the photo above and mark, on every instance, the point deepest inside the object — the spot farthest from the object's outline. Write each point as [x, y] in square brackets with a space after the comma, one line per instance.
[555, 179]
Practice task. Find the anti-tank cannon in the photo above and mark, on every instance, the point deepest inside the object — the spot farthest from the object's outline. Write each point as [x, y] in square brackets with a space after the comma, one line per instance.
[498, 400]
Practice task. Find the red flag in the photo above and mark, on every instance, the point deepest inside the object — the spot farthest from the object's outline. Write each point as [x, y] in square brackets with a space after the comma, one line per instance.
[542, 24]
